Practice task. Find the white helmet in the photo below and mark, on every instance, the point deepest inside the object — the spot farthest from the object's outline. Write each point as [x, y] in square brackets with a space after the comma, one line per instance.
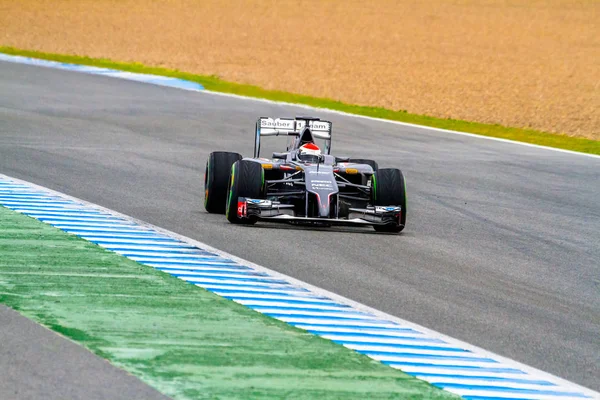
[309, 152]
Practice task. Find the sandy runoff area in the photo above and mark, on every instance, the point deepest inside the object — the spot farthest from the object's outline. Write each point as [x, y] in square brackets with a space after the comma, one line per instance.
[522, 63]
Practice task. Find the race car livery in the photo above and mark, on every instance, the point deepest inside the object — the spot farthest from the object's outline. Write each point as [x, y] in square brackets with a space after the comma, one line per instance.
[305, 184]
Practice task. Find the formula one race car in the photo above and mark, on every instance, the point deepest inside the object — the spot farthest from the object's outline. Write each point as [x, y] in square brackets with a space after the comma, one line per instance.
[304, 185]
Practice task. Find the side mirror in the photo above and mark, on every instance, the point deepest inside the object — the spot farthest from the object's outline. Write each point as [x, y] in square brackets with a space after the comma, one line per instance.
[342, 159]
[280, 156]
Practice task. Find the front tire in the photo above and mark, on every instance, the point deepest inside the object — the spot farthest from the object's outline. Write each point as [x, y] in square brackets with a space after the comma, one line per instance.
[247, 179]
[388, 188]
[216, 180]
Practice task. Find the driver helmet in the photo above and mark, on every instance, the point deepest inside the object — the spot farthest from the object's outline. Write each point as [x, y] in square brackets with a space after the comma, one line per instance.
[309, 152]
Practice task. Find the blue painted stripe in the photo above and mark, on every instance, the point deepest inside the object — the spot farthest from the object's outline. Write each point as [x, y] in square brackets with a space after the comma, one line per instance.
[125, 236]
[539, 392]
[244, 290]
[30, 195]
[70, 217]
[81, 221]
[13, 185]
[317, 317]
[191, 269]
[66, 213]
[240, 279]
[431, 378]
[308, 301]
[38, 205]
[338, 307]
[351, 312]
[95, 232]
[142, 246]
[185, 261]
[175, 250]
[181, 264]
[80, 224]
[419, 339]
[401, 346]
[237, 287]
[391, 327]
[465, 368]
[212, 268]
[134, 239]
[45, 200]
[400, 332]
[131, 76]
[429, 356]
[166, 255]
[108, 243]
[91, 229]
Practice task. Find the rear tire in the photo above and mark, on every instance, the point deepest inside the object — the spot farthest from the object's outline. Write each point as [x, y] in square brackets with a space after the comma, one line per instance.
[216, 180]
[389, 189]
[372, 163]
[247, 179]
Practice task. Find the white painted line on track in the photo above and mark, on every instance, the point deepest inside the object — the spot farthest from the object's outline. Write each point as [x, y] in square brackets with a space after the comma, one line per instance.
[406, 124]
[192, 86]
[445, 362]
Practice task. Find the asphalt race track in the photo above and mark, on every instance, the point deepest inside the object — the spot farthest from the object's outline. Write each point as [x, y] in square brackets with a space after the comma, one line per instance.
[36, 364]
[501, 249]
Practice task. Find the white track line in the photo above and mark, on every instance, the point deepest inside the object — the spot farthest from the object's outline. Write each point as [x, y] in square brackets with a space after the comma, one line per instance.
[188, 85]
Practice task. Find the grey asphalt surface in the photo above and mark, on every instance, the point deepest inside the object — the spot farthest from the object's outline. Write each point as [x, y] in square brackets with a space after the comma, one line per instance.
[501, 249]
[36, 363]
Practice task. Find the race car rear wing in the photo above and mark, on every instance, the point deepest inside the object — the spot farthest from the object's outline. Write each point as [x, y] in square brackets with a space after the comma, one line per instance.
[317, 128]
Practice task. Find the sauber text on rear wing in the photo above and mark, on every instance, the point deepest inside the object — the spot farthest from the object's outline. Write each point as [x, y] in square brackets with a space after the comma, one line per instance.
[266, 126]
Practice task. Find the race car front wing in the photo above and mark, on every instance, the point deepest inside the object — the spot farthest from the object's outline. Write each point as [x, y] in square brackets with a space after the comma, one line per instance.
[274, 211]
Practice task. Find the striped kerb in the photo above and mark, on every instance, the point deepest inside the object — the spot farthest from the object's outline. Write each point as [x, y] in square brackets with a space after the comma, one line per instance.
[434, 358]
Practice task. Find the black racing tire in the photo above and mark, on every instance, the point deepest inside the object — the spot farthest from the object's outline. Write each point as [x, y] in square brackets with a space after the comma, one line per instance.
[247, 179]
[388, 188]
[372, 163]
[216, 180]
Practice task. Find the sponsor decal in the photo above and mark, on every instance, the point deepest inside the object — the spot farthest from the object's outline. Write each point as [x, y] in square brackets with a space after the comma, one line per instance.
[383, 209]
[322, 186]
[285, 124]
[241, 210]
[252, 203]
[279, 123]
[320, 126]
[259, 201]
[351, 171]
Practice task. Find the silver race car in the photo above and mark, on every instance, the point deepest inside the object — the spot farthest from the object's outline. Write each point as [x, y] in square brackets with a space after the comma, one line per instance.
[305, 184]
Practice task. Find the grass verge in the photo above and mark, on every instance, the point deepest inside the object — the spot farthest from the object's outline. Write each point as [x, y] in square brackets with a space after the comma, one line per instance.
[213, 83]
[182, 340]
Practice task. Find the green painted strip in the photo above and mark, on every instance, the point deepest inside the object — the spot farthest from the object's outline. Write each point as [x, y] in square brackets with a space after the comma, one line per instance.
[184, 341]
[215, 84]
